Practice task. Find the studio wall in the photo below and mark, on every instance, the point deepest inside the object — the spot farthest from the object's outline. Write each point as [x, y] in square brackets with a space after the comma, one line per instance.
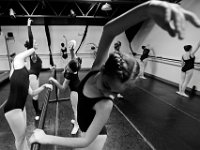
[172, 48]
[20, 35]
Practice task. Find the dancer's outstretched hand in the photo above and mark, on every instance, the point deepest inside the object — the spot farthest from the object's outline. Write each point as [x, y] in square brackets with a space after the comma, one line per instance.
[52, 67]
[49, 86]
[172, 17]
[51, 79]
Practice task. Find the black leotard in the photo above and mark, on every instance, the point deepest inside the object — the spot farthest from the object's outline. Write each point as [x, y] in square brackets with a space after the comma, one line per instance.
[74, 80]
[144, 57]
[64, 53]
[145, 54]
[19, 84]
[85, 106]
[35, 66]
[189, 64]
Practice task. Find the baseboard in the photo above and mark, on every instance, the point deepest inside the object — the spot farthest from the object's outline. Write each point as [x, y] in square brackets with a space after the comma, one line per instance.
[188, 89]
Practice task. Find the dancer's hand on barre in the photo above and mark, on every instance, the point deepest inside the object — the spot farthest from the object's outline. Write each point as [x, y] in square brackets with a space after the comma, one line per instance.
[51, 79]
[52, 67]
[38, 136]
[48, 86]
[172, 17]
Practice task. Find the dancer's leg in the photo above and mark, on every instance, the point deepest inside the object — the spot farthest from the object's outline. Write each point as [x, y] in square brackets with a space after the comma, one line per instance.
[74, 102]
[34, 83]
[16, 120]
[183, 75]
[188, 77]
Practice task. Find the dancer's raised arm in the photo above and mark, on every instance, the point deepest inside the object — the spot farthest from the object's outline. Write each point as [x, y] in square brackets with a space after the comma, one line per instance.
[170, 17]
[196, 49]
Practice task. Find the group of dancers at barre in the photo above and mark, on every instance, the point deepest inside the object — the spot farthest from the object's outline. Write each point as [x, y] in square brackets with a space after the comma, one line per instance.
[92, 97]
[187, 65]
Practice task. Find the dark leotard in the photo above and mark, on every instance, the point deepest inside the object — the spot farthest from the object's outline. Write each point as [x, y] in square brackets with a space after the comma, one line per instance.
[35, 66]
[74, 80]
[64, 53]
[19, 85]
[189, 64]
[145, 54]
[85, 109]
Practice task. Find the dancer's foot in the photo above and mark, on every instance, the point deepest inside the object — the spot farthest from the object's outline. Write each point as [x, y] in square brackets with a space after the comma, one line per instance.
[75, 128]
[178, 92]
[182, 94]
[185, 95]
[119, 96]
[142, 77]
[73, 121]
[37, 117]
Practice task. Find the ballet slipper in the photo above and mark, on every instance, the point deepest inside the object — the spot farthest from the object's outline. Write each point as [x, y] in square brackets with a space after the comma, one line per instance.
[185, 95]
[142, 77]
[73, 121]
[120, 96]
[178, 92]
[75, 128]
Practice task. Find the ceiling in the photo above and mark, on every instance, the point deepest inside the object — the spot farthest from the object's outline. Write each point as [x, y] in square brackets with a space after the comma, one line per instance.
[57, 12]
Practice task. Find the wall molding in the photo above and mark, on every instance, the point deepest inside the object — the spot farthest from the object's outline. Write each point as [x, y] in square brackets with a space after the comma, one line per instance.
[188, 89]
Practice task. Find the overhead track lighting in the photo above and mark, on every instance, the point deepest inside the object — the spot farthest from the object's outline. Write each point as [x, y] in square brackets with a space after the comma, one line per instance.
[106, 7]
[72, 13]
[12, 13]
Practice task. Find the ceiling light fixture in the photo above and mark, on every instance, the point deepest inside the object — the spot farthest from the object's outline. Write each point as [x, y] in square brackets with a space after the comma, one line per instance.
[106, 7]
[72, 13]
[12, 13]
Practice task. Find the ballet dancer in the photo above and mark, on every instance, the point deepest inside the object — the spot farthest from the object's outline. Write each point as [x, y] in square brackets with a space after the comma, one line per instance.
[63, 49]
[35, 68]
[72, 81]
[143, 61]
[187, 63]
[117, 46]
[110, 74]
[14, 109]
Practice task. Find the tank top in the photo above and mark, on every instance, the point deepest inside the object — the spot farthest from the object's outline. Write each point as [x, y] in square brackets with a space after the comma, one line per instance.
[85, 110]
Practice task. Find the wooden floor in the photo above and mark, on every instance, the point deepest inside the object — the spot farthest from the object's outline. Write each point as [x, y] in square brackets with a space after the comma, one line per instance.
[151, 116]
